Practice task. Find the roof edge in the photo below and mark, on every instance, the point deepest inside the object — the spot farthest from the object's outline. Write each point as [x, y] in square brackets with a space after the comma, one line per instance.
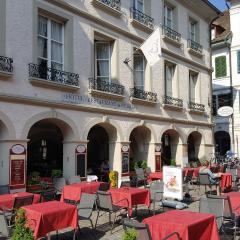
[212, 6]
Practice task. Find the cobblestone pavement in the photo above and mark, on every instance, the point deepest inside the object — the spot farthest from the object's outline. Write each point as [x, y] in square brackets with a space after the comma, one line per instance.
[103, 228]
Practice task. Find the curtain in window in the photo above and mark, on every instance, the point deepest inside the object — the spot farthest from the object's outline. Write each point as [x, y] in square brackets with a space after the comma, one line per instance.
[139, 67]
[169, 73]
[168, 17]
[193, 85]
[42, 37]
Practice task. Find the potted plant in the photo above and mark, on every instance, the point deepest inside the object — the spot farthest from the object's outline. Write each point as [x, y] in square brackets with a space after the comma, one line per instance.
[130, 234]
[113, 177]
[56, 173]
[173, 162]
[21, 230]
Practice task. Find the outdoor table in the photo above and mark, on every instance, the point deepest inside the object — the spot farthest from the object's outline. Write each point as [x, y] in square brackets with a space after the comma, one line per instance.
[130, 197]
[225, 181]
[155, 176]
[74, 191]
[235, 201]
[195, 171]
[190, 225]
[50, 216]
[7, 200]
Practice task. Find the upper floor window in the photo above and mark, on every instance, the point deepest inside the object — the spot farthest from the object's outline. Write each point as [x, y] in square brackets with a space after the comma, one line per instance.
[193, 79]
[168, 16]
[170, 70]
[193, 30]
[103, 61]
[50, 43]
[139, 5]
[139, 66]
[220, 67]
[238, 61]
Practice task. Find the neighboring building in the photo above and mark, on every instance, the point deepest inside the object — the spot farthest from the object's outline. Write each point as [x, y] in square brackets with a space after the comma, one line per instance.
[66, 93]
[226, 63]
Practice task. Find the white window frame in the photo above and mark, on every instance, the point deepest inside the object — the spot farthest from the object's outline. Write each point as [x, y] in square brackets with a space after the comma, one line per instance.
[166, 8]
[173, 66]
[49, 41]
[142, 70]
[137, 6]
[196, 75]
[109, 60]
[194, 32]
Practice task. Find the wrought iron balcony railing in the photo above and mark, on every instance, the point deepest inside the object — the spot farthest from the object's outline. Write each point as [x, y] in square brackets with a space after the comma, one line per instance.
[6, 64]
[100, 85]
[176, 102]
[170, 33]
[196, 106]
[144, 95]
[115, 4]
[53, 75]
[141, 17]
[196, 47]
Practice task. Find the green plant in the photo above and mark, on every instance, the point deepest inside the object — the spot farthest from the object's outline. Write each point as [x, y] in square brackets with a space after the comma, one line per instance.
[144, 164]
[34, 178]
[173, 162]
[21, 230]
[56, 173]
[130, 234]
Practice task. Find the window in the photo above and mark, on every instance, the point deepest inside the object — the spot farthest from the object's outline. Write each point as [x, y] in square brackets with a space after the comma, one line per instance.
[168, 16]
[220, 66]
[50, 43]
[103, 61]
[169, 78]
[238, 61]
[139, 65]
[193, 77]
[139, 5]
[193, 30]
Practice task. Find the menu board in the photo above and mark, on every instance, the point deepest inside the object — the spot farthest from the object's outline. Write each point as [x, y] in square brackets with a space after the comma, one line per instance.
[17, 172]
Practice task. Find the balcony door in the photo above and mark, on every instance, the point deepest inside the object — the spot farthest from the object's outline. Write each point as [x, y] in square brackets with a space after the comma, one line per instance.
[139, 5]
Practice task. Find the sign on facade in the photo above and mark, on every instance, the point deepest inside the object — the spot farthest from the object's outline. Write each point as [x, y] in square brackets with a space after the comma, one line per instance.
[225, 111]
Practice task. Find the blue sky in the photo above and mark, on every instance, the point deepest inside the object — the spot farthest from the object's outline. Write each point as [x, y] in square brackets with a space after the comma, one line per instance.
[220, 4]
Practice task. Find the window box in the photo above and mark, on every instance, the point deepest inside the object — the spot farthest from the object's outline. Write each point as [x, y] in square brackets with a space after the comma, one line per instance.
[6, 67]
[142, 97]
[172, 103]
[141, 20]
[105, 89]
[111, 6]
[171, 36]
[195, 48]
[196, 108]
[52, 77]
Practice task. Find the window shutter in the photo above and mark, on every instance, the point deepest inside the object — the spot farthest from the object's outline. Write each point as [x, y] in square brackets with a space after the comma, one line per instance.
[238, 61]
[220, 66]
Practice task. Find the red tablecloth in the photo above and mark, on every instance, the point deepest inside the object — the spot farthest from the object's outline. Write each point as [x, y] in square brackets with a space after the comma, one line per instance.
[190, 225]
[50, 216]
[74, 191]
[226, 181]
[155, 176]
[235, 201]
[195, 171]
[7, 200]
[129, 197]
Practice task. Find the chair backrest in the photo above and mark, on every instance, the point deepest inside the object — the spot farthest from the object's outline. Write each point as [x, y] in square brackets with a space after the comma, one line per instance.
[125, 184]
[85, 207]
[204, 179]
[213, 206]
[4, 189]
[104, 186]
[156, 190]
[74, 179]
[48, 195]
[4, 229]
[140, 174]
[104, 200]
[189, 176]
[23, 201]
[148, 171]
[58, 184]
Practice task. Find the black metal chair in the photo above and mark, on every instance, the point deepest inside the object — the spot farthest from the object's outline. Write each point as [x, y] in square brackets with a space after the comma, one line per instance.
[105, 204]
[5, 228]
[58, 184]
[204, 179]
[235, 179]
[4, 189]
[156, 194]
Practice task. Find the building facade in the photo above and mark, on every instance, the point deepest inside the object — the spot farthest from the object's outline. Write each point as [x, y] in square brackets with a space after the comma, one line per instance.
[76, 90]
[226, 63]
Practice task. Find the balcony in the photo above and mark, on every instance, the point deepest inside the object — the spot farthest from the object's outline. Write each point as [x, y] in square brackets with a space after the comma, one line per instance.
[111, 6]
[195, 48]
[41, 75]
[141, 20]
[171, 35]
[105, 89]
[142, 97]
[172, 103]
[6, 67]
[196, 107]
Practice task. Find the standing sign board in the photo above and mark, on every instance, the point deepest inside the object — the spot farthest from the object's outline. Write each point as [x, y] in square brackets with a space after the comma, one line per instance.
[81, 160]
[17, 173]
[125, 159]
[172, 179]
[158, 165]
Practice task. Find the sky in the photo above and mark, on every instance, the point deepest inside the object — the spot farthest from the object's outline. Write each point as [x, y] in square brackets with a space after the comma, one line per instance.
[220, 4]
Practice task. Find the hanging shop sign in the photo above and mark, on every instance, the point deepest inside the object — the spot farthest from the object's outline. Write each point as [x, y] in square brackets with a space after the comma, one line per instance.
[225, 111]
[17, 169]
[158, 165]
[125, 159]
[81, 160]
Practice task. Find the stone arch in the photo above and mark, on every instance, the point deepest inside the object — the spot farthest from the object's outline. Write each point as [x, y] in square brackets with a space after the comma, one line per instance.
[7, 127]
[67, 126]
[197, 131]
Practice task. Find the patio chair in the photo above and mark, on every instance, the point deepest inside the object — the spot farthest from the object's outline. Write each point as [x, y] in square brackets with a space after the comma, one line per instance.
[58, 184]
[187, 180]
[156, 194]
[48, 195]
[74, 179]
[105, 204]
[5, 228]
[234, 173]
[204, 179]
[143, 232]
[140, 177]
[85, 207]
[104, 186]
[4, 189]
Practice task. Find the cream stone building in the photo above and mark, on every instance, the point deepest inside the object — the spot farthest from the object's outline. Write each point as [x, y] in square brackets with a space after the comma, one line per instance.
[70, 101]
